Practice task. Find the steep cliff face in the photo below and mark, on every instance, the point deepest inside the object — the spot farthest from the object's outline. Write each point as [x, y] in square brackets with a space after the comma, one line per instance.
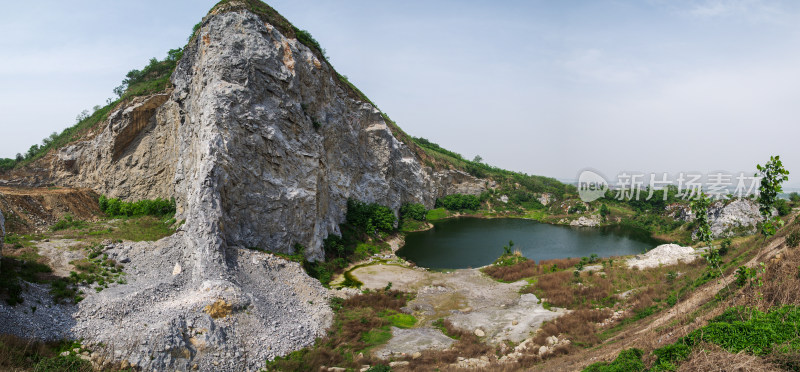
[259, 140]
[133, 156]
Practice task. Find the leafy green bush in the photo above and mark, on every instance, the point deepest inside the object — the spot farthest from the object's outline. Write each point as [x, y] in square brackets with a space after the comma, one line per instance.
[578, 208]
[305, 37]
[783, 207]
[629, 360]
[668, 356]
[414, 211]
[68, 222]
[7, 164]
[725, 246]
[459, 202]
[153, 78]
[117, 208]
[370, 217]
[757, 334]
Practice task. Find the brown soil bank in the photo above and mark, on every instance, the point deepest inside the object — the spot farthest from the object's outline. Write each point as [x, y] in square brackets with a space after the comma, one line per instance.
[30, 209]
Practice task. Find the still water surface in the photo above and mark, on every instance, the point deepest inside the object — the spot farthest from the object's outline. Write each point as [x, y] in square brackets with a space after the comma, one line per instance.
[474, 242]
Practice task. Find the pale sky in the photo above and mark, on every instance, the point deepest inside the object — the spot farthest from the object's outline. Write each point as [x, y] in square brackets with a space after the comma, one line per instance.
[542, 87]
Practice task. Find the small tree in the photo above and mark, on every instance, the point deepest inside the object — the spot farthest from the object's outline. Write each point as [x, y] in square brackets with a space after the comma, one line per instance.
[703, 233]
[794, 197]
[772, 177]
[477, 159]
[604, 211]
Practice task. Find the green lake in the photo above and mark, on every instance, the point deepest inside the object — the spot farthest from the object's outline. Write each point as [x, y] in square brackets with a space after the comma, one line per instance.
[473, 242]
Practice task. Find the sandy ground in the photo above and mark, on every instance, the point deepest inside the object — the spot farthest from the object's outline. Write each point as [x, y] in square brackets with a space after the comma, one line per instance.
[59, 253]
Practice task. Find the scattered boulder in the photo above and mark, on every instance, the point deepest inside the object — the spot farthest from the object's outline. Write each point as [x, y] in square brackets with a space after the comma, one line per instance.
[592, 221]
[663, 255]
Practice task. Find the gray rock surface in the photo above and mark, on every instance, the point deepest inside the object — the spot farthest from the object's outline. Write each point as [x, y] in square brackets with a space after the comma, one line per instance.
[727, 217]
[591, 221]
[259, 141]
[261, 145]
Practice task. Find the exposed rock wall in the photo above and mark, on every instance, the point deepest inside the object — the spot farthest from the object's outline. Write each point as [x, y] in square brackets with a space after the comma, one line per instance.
[133, 157]
[260, 144]
[727, 217]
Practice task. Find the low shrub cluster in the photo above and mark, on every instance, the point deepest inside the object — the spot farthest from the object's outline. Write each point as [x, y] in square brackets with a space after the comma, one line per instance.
[68, 222]
[117, 208]
[459, 202]
[357, 242]
[370, 217]
[629, 360]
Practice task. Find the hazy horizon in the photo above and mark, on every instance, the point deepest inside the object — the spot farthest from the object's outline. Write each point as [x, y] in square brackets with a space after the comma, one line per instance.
[538, 87]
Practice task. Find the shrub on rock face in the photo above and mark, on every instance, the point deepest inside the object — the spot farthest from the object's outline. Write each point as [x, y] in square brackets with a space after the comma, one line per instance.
[414, 211]
[370, 217]
[459, 202]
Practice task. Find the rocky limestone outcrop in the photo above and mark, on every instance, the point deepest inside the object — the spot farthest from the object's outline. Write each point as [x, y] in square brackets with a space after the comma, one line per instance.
[727, 217]
[591, 221]
[133, 157]
[663, 255]
[259, 138]
[261, 145]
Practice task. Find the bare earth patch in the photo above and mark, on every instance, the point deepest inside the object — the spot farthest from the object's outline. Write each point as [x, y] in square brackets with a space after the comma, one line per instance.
[469, 299]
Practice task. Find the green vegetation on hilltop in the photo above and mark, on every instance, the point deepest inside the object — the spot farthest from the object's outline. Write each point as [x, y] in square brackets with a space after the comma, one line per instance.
[153, 78]
[528, 184]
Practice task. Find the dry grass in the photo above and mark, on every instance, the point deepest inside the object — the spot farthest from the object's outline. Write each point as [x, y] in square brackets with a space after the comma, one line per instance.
[529, 269]
[782, 280]
[219, 309]
[467, 346]
[580, 327]
[712, 358]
